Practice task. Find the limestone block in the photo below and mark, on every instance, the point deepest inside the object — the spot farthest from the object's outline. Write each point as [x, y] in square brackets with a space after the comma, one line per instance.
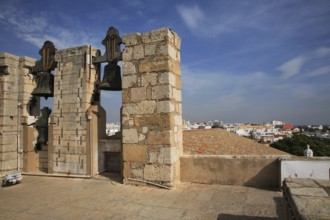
[126, 170]
[26, 62]
[138, 52]
[70, 168]
[160, 137]
[153, 156]
[167, 155]
[131, 39]
[177, 95]
[135, 153]
[8, 165]
[161, 64]
[8, 140]
[177, 41]
[158, 173]
[125, 95]
[128, 53]
[167, 78]
[148, 79]
[144, 130]
[141, 137]
[130, 136]
[143, 107]
[137, 173]
[129, 81]
[165, 107]
[162, 92]
[153, 122]
[9, 155]
[150, 49]
[138, 94]
[4, 110]
[178, 108]
[178, 120]
[168, 50]
[162, 34]
[9, 120]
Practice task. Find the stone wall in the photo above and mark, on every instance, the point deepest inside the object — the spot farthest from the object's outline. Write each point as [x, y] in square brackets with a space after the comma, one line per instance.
[152, 109]
[16, 86]
[75, 132]
[231, 170]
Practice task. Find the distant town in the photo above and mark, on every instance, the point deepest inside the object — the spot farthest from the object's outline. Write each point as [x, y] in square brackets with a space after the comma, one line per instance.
[270, 132]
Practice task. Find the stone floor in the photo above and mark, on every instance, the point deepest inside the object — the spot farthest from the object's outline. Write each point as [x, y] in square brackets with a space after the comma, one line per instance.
[100, 198]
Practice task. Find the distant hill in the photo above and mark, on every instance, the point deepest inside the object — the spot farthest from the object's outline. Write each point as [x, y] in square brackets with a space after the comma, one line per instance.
[221, 142]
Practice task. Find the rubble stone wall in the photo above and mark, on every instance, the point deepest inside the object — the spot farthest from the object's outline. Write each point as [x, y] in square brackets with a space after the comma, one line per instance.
[16, 86]
[152, 107]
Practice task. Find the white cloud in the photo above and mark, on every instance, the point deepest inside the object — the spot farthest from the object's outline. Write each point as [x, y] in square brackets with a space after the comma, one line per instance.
[38, 28]
[319, 71]
[321, 52]
[193, 16]
[292, 67]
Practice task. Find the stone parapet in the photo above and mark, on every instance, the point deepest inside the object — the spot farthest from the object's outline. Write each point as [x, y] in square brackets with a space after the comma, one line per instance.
[306, 198]
[152, 113]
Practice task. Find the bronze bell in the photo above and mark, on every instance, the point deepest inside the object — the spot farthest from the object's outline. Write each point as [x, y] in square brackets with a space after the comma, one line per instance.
[45, 85]
[42, 71]
[111, 78]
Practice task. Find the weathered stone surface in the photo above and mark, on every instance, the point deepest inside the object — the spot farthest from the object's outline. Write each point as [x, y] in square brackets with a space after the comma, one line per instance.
[131, 39]
[168, 155]
[128, 54]
[177, 95]
[158, 173]
[126, 169]
[167, 78]
[165, 107]
[143, 107]
[153, 122]
[125, 95]
[162, 34]
[135, 153]
[151, 105]
[306, 199]
[138, 94]
[162, 92]
[163, 137]
[130, 136]
[150, 49]
[148, 79]
[169, 50]
[138, 52]
[129, 81]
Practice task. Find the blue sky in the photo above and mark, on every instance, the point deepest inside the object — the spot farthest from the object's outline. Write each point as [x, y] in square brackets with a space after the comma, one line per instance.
[241, 61]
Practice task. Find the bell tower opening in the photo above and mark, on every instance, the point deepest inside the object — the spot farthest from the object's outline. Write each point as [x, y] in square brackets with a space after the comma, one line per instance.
[109, 86]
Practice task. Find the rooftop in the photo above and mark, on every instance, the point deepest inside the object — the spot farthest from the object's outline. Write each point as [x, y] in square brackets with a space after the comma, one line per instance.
[221, 142]
[69, 198]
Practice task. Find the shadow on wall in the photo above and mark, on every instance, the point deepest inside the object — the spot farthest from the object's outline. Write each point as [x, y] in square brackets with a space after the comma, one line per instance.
[279, 207]
[241, 217]
[269, 177]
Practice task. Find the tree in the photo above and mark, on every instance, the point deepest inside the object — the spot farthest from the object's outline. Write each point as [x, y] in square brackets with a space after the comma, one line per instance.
[297, 144]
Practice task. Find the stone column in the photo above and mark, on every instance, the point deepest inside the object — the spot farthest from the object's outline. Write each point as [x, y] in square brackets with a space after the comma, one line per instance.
[16, 86]
[73, 147]
[152, 113]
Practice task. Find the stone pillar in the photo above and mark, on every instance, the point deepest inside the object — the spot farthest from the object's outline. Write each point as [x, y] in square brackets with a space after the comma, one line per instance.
[72, 147]
[16, 86]
[152, 112]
